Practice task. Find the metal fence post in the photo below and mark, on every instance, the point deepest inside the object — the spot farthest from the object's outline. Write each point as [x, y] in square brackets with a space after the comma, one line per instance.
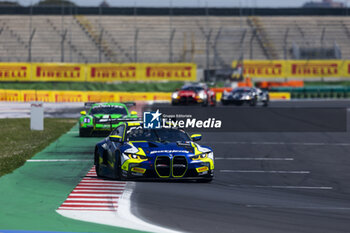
[241, 42]
[30, 46]
[215, 45]
[208, 35]
[285, 45]
[251, 45]
[172, 34]
[135, 44]
[100, 46]
[63, 38]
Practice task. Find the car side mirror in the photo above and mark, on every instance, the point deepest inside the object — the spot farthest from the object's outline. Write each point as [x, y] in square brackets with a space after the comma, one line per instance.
[196, 137]
[83, 113]
[115, 138]
[133, 113]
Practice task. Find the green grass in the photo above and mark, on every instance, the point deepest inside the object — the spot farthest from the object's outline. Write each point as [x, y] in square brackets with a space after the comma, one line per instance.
[18, 143]
[85, 86]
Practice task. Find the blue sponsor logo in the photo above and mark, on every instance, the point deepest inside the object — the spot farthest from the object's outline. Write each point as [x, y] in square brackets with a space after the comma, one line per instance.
[152, 120]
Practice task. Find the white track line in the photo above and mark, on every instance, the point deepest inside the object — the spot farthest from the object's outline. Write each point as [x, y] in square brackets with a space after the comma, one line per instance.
[58, 160]
[300, 207]
[262, 171]
[262, 159]
[283, 187]
[280, 143]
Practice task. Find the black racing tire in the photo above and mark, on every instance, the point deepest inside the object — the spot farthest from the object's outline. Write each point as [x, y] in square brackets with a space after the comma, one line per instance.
[205, 103]
[83, 132]
[174, 103]
[224, 102]
[118, 170]
[266, 102]
[253, 102]
[97, 163]
[97, 168]
[213, 102]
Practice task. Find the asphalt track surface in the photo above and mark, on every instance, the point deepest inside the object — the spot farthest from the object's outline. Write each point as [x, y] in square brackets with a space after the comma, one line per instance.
[264, 182]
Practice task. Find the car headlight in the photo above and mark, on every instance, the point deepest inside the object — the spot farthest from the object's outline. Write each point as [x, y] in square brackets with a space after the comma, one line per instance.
[203, 155]
[225, 93]
[135, 156]
[247, 97]
[87, 120]
[202, 95]
[174, 95]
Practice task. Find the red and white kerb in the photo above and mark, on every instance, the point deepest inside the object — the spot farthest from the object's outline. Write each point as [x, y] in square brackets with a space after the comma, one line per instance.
[94, 194]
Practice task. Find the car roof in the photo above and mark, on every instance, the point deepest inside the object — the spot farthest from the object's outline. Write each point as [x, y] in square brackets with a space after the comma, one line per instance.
[202, 85]
[242, 88]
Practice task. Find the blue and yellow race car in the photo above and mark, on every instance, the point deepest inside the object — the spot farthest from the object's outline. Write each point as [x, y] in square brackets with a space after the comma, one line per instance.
[133, 152]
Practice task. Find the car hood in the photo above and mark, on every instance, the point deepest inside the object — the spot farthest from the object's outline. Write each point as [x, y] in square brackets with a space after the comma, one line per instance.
[239, 94]
[153, 149]
[187, 93]
[112, 116]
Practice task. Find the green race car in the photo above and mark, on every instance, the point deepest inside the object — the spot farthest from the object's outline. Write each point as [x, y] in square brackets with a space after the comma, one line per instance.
[102, 118]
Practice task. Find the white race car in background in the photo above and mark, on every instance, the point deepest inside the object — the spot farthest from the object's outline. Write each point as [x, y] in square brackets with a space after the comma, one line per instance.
[242, 95]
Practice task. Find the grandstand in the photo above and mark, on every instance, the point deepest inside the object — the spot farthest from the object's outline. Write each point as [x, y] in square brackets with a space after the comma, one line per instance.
[209, 41]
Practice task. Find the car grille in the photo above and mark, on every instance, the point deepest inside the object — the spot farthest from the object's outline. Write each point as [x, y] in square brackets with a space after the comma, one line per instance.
[163, 166]
[179, 166]
[187, 99]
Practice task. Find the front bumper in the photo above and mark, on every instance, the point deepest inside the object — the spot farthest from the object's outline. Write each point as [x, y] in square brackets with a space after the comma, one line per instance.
[187, 100]
[231, 99]
[98, 129]
[165, 168]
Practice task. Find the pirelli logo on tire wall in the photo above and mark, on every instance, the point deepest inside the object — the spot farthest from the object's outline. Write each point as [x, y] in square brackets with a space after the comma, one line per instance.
[58, 72]
[141, 72]
[14, 71]
[111, 72]
[101, 72]
[299, 69]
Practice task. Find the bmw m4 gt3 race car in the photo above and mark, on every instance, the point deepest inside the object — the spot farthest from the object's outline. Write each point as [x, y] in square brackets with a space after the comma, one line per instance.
[102, 118]
[194, 93]
[133, 152]
[242, 95]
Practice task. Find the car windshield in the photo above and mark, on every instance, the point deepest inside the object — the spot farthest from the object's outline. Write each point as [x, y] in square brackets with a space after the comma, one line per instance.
[161, 135]
[241, 91]
[108, 109]
[192, 88]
